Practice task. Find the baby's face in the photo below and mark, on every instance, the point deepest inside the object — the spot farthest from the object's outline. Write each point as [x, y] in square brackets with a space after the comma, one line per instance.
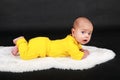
[82, 33]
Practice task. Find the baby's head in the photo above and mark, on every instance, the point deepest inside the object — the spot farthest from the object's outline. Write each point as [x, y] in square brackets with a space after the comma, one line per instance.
[82, 30]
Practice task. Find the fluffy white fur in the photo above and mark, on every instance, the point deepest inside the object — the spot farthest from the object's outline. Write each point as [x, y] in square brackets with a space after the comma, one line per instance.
[10, 63]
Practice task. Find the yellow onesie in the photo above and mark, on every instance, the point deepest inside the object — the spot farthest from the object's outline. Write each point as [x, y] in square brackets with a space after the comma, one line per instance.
[43, 47]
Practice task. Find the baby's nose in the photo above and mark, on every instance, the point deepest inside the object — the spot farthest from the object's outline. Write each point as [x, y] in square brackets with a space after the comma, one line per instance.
[86, 35]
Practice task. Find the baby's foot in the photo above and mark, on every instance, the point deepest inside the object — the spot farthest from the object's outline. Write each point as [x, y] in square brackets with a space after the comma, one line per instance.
[15, 51]
[15, 40]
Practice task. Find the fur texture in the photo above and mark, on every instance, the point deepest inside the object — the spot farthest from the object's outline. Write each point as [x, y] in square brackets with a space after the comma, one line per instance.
[10, 63]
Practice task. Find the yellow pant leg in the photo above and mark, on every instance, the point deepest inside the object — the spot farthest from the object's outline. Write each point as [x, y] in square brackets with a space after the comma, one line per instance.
[36, 47]
[26, 52]
[22, 47]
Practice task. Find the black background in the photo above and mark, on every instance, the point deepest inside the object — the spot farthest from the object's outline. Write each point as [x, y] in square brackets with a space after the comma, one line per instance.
[54, 18]
[42, 14]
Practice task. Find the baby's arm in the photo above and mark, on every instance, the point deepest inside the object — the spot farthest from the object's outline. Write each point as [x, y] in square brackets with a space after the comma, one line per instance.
[77, 53]
[86, 53]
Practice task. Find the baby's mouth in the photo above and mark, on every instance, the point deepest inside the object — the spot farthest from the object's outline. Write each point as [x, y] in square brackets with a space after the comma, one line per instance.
[85, 40]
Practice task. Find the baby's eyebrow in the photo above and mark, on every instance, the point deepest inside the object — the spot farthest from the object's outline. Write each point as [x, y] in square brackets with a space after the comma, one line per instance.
[89, 31]
[85, 29]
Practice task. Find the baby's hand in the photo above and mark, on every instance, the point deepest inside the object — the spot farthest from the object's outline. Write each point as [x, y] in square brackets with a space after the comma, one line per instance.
[86, 53]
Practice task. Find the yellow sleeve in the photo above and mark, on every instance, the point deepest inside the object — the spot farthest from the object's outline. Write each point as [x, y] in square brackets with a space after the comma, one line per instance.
[74, 52]
[73, 48]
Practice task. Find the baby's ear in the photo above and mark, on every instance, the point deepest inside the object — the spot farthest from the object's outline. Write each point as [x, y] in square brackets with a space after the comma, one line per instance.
[72, 30]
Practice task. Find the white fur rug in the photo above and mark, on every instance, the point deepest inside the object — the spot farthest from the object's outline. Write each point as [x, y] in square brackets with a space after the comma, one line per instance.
[10, 63]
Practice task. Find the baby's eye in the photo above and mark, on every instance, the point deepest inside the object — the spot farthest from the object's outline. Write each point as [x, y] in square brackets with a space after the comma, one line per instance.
[89, 33]
[83, 32]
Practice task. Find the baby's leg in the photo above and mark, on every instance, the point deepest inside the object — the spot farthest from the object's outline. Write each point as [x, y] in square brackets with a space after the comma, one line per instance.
[15, 40]
[15, 49]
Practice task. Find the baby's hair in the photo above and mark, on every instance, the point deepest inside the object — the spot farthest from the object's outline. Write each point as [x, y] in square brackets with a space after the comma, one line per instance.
[81, 19]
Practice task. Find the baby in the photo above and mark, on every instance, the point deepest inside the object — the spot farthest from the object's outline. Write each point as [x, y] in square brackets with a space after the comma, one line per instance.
[70, 46]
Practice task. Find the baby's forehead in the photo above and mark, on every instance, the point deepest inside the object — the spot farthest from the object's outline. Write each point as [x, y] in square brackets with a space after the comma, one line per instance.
[86, 28]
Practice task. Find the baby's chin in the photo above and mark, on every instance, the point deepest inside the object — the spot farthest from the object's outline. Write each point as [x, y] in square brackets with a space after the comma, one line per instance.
[84, 42]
